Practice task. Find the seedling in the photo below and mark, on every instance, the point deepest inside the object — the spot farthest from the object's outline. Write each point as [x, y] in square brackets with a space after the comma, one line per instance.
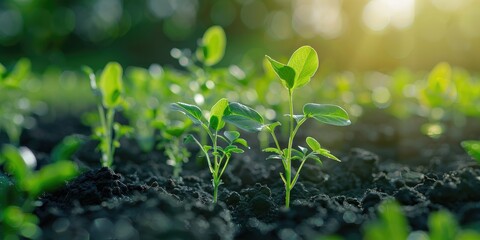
[231, 139]
[177, 154]
[17, 195]
[473, 149]
[14, 107]
[109, 98]
[296, 73]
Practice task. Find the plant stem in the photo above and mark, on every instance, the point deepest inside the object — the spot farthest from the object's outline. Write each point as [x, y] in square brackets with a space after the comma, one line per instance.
[288, 169]
[109, 137]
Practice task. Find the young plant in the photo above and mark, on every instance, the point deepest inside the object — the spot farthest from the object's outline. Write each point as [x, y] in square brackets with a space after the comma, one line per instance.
[472, 148]
[20, 186]
[218, 155]
[296, 73]
[109, 97]
[14, 107]
[177, 154]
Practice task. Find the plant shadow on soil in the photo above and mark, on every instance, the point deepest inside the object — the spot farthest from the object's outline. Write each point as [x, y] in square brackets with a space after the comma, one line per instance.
[138, 199]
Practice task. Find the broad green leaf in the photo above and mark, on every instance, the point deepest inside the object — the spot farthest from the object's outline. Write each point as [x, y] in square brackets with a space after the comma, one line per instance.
[50, 177]
[305, 63]
[442, 226]
[242, 142]
[19, 73]
[216, 114]
[111, 85]
[327, 113]
[392, 224]
[212, 46]
[284, 72]
[231, 135]
[14, 163]
[243, 117]
[193, 112]
[313, 144]
[472, 148]
[65, 149]
[233, 149]
[273, 150]
[326, 153]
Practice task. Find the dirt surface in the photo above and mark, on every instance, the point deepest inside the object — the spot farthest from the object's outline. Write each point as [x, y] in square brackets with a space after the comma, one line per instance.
[380, 160]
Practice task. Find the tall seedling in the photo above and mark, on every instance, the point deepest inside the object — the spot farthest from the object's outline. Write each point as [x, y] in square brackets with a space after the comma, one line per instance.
[109, 95]
[296, 73]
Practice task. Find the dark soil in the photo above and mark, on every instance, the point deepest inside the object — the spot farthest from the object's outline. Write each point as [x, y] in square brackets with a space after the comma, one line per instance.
[381, 159]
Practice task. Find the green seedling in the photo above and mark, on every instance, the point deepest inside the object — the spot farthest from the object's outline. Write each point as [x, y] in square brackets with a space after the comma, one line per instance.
[20, 186]
[218, 155]
[392, 224]
[109, 93]
[296, 73]
[473, 149]
[171, 143]
[14, 107]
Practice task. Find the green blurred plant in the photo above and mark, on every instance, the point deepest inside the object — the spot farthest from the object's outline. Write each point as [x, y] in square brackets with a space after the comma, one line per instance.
[231, 139]
[20, 186]
[171, 143]
[296, 73]
[109, 93]
[392, 224]
[14, 106]
[472, 147]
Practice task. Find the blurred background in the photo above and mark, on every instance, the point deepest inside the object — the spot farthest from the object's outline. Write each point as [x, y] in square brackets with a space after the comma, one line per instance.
[356, 35]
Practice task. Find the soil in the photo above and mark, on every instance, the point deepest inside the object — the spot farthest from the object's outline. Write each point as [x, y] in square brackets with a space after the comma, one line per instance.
[382, 158]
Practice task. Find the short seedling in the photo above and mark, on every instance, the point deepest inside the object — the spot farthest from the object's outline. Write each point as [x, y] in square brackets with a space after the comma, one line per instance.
[171, 143]
[296, 73]
[109, 95]
[20, 186]
[231, 139]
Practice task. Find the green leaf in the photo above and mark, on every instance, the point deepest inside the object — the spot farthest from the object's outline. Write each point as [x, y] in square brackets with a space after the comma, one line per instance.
[316, 158]
[472, 148]
[14, 163]
[327, 113]
[111, 85]
[50, 177]
[304, 150]
[305, 63]
[326, 153]
[212, 46]
[242, 142]
[193, 112]
[271, 127]
[274, 157]
[65, 149]
[216, 114]
[313, 144]
[392, 224]
[272, 150]
[233, 149]
[243, 117]
[442, 226]
[231, 135]
[18, 74]
[284, 72]
[297, 155]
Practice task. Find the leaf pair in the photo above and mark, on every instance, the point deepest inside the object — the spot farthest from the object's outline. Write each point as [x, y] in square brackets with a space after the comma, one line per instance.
[300, 68]
[110, 85]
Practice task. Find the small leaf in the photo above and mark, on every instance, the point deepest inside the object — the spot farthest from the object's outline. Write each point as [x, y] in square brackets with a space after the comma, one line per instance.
[313, 144]
[297, 155]
[233, 149]
[65, 149]
[271, 127]
[326, 153]
[304, 150]
[111, 85]
[243, 117]
[327, 113]
[231, 135]
[216, 114]
[284, 72]
[272, 150]
[51, 177]
[193, 112]
[14, 163]
[274, 157]
[305, 63]
[212, 46]
[472, 148]
[296, 117]
[242, 142]
[316, 158]
[18, 74]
